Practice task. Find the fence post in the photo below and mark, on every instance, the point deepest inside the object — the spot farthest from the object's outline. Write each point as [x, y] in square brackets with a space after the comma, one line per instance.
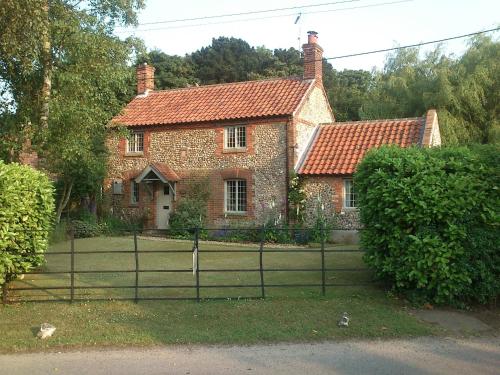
[261, 268]
[136, 253]
[323, 276]
[72, 290]
[196, 249]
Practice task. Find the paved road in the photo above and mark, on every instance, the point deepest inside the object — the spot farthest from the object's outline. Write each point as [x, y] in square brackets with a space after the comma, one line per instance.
[418, 356]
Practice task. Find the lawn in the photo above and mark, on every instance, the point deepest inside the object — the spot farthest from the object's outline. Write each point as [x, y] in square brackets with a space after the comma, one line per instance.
[109, 256]
[288, 314]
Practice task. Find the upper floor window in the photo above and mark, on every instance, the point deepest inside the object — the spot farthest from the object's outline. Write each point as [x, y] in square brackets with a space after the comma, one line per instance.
[349, 194]
[235, 137]
[135, 142]
[235, 196]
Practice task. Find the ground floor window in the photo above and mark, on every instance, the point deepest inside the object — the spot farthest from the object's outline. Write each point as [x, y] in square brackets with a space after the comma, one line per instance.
[349, 194]
[235, 192]
[134, 192]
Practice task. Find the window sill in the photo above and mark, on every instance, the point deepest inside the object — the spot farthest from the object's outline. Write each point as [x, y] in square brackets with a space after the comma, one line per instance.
[234, 150]
[136, 154]
[236, 213]
[349, 209]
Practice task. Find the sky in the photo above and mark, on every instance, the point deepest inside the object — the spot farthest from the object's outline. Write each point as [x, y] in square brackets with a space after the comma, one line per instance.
[362, 28]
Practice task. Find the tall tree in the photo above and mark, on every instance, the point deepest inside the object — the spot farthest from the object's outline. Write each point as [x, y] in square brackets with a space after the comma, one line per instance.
[83, 76]
[464, 90]
[170, 71]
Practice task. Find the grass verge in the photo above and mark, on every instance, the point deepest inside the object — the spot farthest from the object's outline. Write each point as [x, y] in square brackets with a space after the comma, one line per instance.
[289, 314]
[121, 323]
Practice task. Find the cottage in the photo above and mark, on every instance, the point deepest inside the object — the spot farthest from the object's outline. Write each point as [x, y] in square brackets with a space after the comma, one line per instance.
[244, 140]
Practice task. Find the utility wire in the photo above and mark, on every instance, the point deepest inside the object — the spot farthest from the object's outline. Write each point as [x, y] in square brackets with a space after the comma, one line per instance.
[268, 17]
[247, 13]
[410, 45]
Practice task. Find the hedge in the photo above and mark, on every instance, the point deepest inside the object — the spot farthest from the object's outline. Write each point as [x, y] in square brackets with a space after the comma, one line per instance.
[430, 220]
[26, 213]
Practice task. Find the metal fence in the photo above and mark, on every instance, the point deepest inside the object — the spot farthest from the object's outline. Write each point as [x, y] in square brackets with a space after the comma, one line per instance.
[197, 251]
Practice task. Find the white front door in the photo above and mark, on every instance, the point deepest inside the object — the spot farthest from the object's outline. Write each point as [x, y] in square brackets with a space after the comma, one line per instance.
[163, 205]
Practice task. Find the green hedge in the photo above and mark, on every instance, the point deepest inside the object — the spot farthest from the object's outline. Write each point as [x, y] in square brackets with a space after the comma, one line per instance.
[431, 221]
[26, 212]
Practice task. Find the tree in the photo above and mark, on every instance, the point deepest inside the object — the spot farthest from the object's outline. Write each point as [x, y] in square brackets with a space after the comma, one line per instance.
[347, 93]
[225, 60]
[171, 71]
[464, 90]
[85, 81]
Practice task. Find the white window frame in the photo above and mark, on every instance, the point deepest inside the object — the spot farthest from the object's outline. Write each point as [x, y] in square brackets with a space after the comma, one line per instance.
[240, 137]
[238, 206]
[349, 199]
[135, 143]
[134, 192]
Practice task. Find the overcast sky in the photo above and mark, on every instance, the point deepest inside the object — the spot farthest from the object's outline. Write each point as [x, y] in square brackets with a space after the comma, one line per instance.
[340, 32]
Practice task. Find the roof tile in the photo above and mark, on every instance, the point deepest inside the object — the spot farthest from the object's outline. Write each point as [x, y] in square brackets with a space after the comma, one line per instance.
[339, 147]
[252, 99]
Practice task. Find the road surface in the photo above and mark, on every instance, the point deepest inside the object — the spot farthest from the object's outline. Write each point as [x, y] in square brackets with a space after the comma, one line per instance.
[415, 356]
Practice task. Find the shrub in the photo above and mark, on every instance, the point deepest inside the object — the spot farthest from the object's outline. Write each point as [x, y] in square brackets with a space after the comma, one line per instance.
[83, 229]
[431, 221]
[191, 211]
[27, 209]
[112, 225]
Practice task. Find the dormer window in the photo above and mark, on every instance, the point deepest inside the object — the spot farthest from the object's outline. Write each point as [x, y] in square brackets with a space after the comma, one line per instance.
[135, 143]
[235, 137]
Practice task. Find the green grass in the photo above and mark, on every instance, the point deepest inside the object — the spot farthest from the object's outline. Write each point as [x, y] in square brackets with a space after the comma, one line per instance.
[112, 259]
[289, 314]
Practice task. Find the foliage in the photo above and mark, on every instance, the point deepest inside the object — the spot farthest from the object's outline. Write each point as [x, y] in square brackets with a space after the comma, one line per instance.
[59, 233]
[170, 71]
[26, 198]
[464, 90]
[113, 225]
[191, 210]
[83, 229]
[87, 79]
[348, 92]
[431, 221]
[296, 199]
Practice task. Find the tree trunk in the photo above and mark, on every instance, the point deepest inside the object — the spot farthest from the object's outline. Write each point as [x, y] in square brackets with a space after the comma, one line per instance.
[63, 202]
[47, 73]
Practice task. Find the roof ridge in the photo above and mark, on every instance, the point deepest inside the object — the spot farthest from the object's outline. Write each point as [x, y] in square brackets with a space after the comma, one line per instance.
[360, 122]
[291, 78]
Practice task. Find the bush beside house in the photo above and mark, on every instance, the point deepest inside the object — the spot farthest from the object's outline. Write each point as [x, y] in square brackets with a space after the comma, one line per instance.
[431, 221]
[27, 209]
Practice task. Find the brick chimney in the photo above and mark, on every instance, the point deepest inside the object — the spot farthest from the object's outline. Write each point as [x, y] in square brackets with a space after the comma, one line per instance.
[313, 55]
[145, 78]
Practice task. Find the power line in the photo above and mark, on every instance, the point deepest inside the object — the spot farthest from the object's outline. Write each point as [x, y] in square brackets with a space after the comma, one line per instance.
[411, 45]
[269, 17]
[247, 13]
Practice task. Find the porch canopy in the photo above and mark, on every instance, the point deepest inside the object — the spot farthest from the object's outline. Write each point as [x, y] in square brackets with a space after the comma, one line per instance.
[158, 172]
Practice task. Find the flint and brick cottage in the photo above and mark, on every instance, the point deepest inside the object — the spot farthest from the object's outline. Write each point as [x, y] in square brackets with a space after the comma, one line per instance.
[244, 140]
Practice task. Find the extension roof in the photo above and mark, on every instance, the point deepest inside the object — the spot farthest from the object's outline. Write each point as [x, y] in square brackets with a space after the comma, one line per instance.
[229, 101]
[338, 148]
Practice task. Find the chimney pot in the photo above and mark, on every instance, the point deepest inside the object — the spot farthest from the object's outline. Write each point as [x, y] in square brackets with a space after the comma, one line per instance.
[312, 37]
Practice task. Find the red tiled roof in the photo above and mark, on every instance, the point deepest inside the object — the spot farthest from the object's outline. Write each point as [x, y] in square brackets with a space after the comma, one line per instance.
[339, 147]
[229, 101]
[166, 171]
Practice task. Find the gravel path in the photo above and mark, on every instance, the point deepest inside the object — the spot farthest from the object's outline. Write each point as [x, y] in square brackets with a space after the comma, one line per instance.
[416, 356]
